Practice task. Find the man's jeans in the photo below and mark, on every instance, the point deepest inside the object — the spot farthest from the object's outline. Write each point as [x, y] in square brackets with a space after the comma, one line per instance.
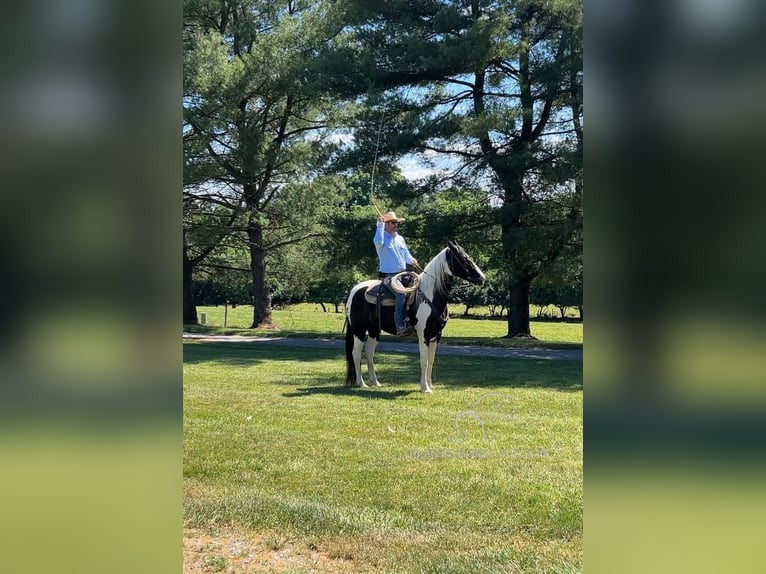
[399, 311]
[399, 304]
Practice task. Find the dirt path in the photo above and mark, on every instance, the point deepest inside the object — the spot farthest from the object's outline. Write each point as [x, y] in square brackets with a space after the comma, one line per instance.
[235, 552]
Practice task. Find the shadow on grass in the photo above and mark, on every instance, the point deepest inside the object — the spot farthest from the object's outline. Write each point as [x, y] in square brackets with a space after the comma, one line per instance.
[368, 393]
[495, 342]
[450, 371]
[492, 372]
[248, 354]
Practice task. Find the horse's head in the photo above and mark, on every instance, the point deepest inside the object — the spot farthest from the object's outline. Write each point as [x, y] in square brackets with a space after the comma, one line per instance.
[461, 265]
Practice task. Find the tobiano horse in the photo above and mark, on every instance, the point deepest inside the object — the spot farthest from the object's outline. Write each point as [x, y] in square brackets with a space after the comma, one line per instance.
[426, 310]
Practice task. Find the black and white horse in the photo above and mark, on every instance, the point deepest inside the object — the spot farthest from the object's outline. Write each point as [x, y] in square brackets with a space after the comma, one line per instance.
[428, 315]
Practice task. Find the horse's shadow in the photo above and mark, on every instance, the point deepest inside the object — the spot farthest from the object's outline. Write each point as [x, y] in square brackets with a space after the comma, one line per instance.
[368, 393]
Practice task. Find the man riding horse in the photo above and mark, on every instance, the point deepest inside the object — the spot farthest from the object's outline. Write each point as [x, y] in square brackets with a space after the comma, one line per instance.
[393, 256]
[368, 314]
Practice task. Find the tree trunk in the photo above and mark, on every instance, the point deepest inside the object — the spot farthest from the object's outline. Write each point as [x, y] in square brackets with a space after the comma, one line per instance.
[261, 293]
[510, 224]
[189, 308]
[518, 315]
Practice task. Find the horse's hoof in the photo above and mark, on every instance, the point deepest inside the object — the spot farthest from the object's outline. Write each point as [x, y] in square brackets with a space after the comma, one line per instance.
[377, 384]
[361, 385]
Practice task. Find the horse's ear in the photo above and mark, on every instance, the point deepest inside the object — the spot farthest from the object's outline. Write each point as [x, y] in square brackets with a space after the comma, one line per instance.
[452, 243]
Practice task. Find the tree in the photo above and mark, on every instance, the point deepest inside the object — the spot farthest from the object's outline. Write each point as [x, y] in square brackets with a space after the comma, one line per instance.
[209, 214]
[330, 289]
[495, 87]
[561, 284]
[256, 123]
[206, 225]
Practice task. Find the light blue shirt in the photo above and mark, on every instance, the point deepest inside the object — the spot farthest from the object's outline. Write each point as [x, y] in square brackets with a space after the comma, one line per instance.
[392, 250]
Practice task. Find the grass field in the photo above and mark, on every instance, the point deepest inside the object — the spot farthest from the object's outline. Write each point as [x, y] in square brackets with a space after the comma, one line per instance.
[287, 471]
[308, 319]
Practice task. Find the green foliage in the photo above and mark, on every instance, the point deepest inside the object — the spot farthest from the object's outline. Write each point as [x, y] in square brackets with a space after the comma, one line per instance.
[220, 288]
[561, 284]
[351, 246]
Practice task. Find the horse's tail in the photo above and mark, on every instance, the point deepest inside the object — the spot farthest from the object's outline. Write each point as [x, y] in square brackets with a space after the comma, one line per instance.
[350, 367]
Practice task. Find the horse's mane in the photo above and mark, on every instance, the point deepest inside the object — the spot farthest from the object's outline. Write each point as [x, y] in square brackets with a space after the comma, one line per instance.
[434, 279]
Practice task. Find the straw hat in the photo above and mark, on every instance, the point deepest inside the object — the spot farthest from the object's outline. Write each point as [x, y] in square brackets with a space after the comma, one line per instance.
[391, 216]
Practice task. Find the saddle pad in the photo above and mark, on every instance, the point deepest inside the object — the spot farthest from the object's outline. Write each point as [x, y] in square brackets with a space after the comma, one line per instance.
[371, 295]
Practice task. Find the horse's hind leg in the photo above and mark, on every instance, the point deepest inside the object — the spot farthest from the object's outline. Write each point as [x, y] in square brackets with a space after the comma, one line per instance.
[357, 358]
[369, 351]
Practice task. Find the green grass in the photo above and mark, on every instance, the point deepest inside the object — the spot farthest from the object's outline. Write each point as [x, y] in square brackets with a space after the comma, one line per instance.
[308, 320]
[484, 475]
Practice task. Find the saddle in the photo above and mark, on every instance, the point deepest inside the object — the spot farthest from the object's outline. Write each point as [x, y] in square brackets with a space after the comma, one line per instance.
[380, 293]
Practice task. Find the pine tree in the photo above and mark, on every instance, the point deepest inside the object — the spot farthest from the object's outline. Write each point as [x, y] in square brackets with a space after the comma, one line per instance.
[256, 121]
[495, 88]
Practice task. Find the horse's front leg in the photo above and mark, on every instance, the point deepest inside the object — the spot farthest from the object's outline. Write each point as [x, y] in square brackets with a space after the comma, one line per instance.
[431, 359]
[369, 351]
[425, 370]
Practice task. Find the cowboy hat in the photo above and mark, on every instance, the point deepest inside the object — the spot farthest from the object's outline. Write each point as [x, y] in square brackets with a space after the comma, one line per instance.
[391, 216]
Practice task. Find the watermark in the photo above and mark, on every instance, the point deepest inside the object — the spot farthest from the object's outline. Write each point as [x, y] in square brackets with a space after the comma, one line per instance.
[482, 423]
[494, 407]
[475, 453]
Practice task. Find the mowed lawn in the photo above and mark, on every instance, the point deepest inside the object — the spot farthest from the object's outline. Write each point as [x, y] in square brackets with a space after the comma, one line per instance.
[285, 470]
